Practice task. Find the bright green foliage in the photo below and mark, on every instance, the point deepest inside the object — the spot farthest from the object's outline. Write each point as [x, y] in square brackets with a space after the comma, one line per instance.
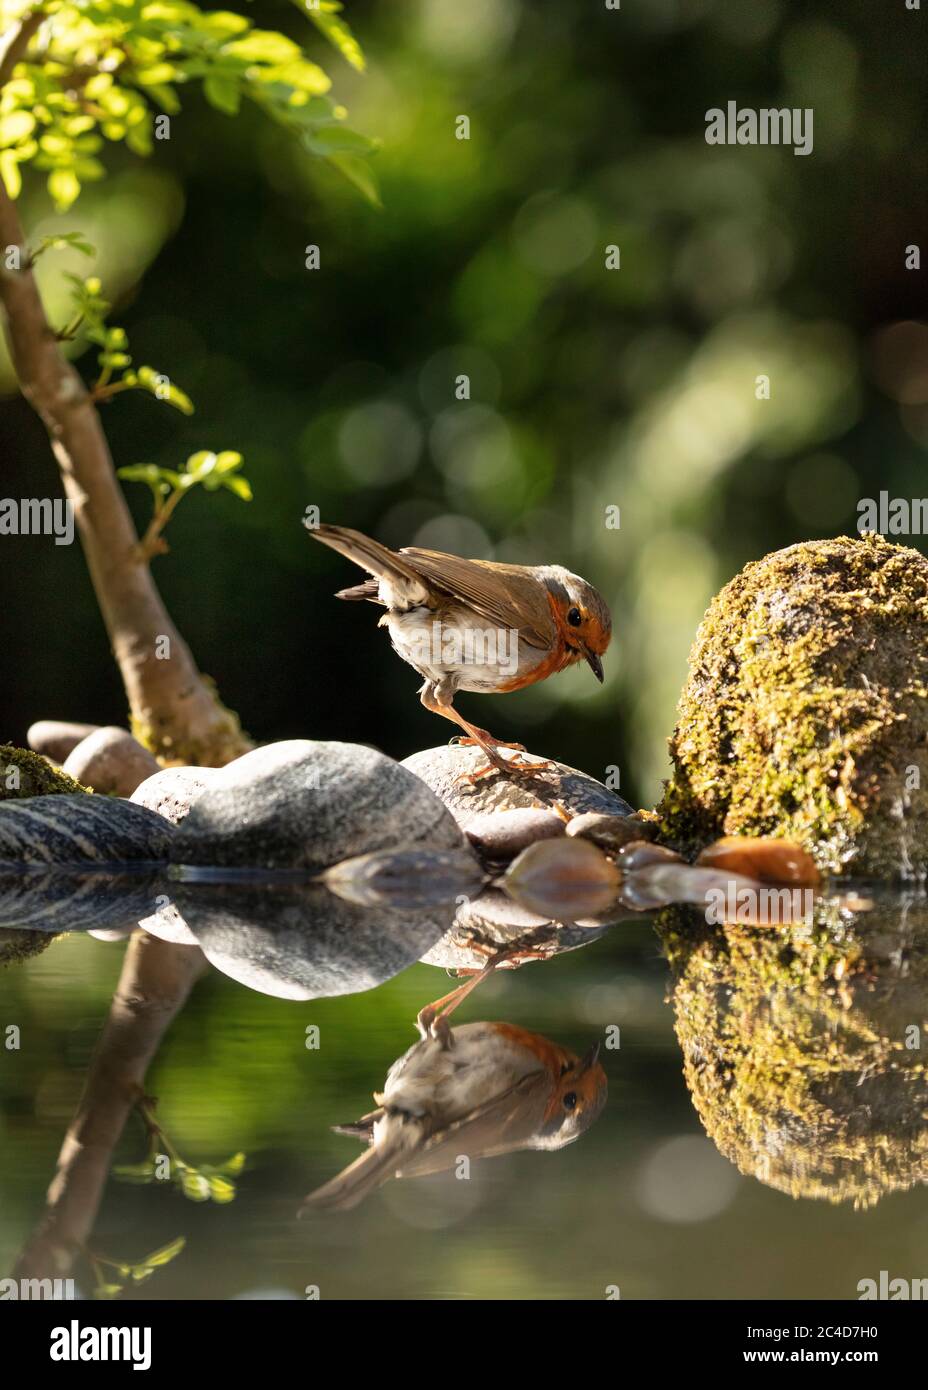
[208, 1182]
[103, 70]
[89, 316]
[110, 1286]
[168, 486]
[201, 1184]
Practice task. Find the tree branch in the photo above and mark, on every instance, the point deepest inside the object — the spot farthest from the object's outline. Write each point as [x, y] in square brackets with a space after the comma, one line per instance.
[16, 48]
[156, 979]
[174, 710]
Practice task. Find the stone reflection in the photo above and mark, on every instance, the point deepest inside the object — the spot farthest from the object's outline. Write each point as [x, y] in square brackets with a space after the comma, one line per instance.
[804, 1048]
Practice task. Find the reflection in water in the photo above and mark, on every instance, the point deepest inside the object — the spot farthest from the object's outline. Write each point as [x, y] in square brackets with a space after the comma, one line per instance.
[801, 1043]
[803, 1049]
[479, 1090]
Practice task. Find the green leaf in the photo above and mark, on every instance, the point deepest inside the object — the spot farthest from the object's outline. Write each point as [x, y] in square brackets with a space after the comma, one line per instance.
[64, 187]
[263, 46]
[16, 126]
[358, 172]
[221, 1190]
[240, 486]
[165, 1254]
[105, 1292]
[9, 173]
[61, 240]
[227, 462]
[194, 1185]
[339, 139]
[336, 30]
[224, 93]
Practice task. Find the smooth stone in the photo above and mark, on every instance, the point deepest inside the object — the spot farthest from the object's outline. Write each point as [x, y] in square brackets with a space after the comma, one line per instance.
[610, 833]
[55, 738]
[501, 835]
[406, 878]
[442, 769]
[171, 791]
[494, 922]
[110, 760]
[299, 941]
[305, 805]
[69, 901]
[566, 879]
[69, 830]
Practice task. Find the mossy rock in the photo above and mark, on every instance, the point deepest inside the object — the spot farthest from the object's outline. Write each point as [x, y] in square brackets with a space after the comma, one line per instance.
[804, 1051]
[24, 773]
[805, 712]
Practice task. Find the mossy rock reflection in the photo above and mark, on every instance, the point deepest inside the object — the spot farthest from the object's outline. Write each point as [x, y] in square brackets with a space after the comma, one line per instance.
[805, 1050]
[805, 712]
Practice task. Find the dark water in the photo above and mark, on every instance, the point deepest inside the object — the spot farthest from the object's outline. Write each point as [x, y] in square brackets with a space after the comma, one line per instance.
[794, 1048]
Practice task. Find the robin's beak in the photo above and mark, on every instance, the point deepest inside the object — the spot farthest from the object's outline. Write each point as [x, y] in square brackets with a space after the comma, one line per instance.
[594, 663]
[588, 1060]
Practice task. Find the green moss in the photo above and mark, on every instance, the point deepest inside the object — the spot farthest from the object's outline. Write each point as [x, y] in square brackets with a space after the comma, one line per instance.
[805, 713]
[173, 746]
[24, 773]
[798, 1047]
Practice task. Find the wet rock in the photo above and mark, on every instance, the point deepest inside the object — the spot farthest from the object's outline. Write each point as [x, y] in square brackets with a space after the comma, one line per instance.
[610, 833]
[563, 879]
[299, 941]
[575, 792]
[171, 791]
[24, 774]
[798, 1057]
[63, 830]
[763, 859]
[67, 901]
[55, 738]
[493, 922]
[406, 878]
[804, 714]
[304, 805]
[499, 836]
[110, 760]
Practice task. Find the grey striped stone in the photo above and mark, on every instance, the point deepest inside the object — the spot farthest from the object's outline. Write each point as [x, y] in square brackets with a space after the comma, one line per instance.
[63, 830]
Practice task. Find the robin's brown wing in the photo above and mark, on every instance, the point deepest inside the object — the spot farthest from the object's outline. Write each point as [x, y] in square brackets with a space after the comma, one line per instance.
[507, 595]
[509, 1121]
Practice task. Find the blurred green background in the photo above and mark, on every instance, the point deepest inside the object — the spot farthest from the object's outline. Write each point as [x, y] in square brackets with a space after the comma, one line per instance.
[589, 388]
[632, 388]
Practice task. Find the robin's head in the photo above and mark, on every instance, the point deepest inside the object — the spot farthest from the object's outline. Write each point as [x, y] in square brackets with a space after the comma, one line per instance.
[578, 1099]
[582, 615]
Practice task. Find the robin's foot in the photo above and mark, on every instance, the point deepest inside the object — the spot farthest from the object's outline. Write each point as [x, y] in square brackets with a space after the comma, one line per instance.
[509, 767]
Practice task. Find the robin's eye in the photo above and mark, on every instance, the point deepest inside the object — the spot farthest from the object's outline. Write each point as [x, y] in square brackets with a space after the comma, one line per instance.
[570, 1100]
[574, 617]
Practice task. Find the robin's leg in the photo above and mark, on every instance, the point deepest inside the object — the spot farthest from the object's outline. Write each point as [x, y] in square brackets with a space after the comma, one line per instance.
[432, 1021]
[431, 699]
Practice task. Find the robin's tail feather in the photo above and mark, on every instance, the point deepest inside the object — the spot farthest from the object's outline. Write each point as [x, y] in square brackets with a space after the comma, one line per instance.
[377, 559]
[374, 1167]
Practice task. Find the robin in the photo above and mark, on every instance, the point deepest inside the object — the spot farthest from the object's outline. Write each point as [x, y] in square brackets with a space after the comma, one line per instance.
[483, 1089]
[477, 625]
